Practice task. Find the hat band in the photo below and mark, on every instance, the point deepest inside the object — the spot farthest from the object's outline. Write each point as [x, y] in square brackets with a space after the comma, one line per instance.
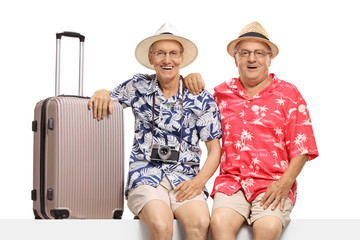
[254, 34]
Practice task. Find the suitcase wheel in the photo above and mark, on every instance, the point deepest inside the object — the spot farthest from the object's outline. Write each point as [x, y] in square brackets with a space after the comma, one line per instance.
[60, 213]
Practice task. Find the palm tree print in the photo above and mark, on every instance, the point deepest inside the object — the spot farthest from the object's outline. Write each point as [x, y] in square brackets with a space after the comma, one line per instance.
[279, 102]
[280, 144]
[276, 159]
[255, 166]
[260, 112]
[222, 104]
[299, 141]
[303, 109]
[245, 135]
[248, 182]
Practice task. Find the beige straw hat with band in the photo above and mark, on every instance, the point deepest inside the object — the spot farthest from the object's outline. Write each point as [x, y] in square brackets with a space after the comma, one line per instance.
[166, 32]
[253, 31]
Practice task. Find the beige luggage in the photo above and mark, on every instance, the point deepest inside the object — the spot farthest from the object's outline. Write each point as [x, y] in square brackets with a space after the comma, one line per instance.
[78, 160]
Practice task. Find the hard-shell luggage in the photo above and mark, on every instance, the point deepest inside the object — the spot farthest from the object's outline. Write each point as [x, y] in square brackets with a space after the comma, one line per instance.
[78, 160]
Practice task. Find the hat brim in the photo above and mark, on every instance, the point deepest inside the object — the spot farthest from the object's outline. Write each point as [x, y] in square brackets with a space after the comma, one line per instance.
[273, 48]
[189, 54]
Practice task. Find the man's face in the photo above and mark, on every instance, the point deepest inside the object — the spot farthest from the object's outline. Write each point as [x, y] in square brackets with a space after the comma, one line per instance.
[252, 69]
[166, 57]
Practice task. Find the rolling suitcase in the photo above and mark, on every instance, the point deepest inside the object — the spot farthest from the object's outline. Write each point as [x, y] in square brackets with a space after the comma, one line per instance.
[78, 161]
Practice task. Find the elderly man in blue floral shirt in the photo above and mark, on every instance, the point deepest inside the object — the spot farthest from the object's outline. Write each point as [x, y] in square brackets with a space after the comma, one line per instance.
[168, 119]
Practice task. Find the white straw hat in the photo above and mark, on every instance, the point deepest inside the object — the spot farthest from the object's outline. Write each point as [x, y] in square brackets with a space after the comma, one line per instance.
[166, 32]
[253, 31]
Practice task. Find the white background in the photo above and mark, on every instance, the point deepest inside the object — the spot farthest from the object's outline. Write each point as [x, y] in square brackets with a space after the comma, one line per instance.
[319, 53]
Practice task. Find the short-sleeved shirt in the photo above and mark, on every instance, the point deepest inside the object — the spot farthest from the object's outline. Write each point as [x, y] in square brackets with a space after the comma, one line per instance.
[260, 136]
[200, 121]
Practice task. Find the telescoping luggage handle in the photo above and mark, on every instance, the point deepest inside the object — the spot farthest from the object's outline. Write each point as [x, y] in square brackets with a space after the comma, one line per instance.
[81, 61]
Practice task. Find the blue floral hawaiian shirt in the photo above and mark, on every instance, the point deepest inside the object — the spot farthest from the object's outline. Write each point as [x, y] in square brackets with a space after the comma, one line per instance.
[200, 121]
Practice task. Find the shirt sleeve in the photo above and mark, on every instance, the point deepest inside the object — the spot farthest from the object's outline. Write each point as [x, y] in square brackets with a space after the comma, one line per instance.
[208, 124]
[122, 92]
[300, 137]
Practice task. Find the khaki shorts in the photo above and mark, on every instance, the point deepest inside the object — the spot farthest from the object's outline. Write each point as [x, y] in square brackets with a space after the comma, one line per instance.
[141, 195]
[252, 211]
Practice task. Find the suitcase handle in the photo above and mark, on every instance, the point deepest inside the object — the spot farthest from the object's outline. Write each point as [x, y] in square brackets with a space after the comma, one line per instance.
[81, 61]
[71, 34]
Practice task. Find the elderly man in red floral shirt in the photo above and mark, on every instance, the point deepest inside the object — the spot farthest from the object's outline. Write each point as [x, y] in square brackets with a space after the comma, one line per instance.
[267, 139]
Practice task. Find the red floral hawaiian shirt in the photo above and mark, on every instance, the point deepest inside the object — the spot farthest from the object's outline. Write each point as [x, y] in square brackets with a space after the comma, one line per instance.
[260, 136]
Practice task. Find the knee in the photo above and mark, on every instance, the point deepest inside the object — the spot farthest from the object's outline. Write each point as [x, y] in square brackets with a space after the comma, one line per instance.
[203, 223]
[267, 228]
[225, 223]
[199, 226]
[161, 228]
[217, 221]
[220, 220]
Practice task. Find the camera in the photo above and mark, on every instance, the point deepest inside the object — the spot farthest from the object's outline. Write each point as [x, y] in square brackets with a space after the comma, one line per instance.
[164, 153]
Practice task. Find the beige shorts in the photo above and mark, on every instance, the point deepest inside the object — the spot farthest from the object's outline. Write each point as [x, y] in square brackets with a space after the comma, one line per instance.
[141, 195]
[252, 211]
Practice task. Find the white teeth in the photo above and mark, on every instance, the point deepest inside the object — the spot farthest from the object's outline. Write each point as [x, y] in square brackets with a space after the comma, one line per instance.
[167, 68]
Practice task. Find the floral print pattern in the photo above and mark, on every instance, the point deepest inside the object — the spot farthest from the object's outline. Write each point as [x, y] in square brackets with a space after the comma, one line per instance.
[260, 136]
[200, 121]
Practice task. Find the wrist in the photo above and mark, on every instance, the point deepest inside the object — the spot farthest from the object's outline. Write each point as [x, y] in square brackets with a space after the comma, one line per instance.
[199, 181]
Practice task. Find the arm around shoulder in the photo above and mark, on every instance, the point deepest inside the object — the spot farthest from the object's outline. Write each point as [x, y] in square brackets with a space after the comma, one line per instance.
[194, 83]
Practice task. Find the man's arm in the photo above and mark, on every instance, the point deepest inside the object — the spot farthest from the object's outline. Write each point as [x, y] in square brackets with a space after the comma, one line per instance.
[194, 83]
[102, 103]
[191, 188]
[278, 191]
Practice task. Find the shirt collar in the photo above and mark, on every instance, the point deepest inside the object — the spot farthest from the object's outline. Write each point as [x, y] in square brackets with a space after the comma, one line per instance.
[235, 85]
[154, 87]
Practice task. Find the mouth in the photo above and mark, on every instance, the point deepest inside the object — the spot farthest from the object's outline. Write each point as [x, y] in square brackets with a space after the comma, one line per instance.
[251, 67]
[167, 68]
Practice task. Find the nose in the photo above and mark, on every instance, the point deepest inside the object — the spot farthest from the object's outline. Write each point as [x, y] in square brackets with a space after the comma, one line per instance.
[167, 58]
[252, 57]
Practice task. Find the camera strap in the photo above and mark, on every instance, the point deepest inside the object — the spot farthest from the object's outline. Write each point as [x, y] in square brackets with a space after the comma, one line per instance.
[153, 118]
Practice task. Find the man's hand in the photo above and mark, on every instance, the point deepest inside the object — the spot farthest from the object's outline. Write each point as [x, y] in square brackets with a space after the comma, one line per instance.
[276, 193]
[102, 103]
[188, 190]
[194, 83]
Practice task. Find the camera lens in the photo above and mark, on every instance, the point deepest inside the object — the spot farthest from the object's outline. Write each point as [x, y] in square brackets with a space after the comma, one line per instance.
[164, 152]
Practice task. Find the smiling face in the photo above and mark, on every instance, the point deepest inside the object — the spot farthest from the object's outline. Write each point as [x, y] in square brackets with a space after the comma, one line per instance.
[166, 67]
[252, 70]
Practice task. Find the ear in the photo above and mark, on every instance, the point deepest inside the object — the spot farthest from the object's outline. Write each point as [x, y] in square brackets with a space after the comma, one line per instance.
[181, 59]
[150, 57]
[236, 63]
[269, 61]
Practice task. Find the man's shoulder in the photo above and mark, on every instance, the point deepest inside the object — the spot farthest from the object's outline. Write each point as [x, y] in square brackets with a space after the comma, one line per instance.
[225, 85]
[142, 82]
[140, 78]
[287, 87]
